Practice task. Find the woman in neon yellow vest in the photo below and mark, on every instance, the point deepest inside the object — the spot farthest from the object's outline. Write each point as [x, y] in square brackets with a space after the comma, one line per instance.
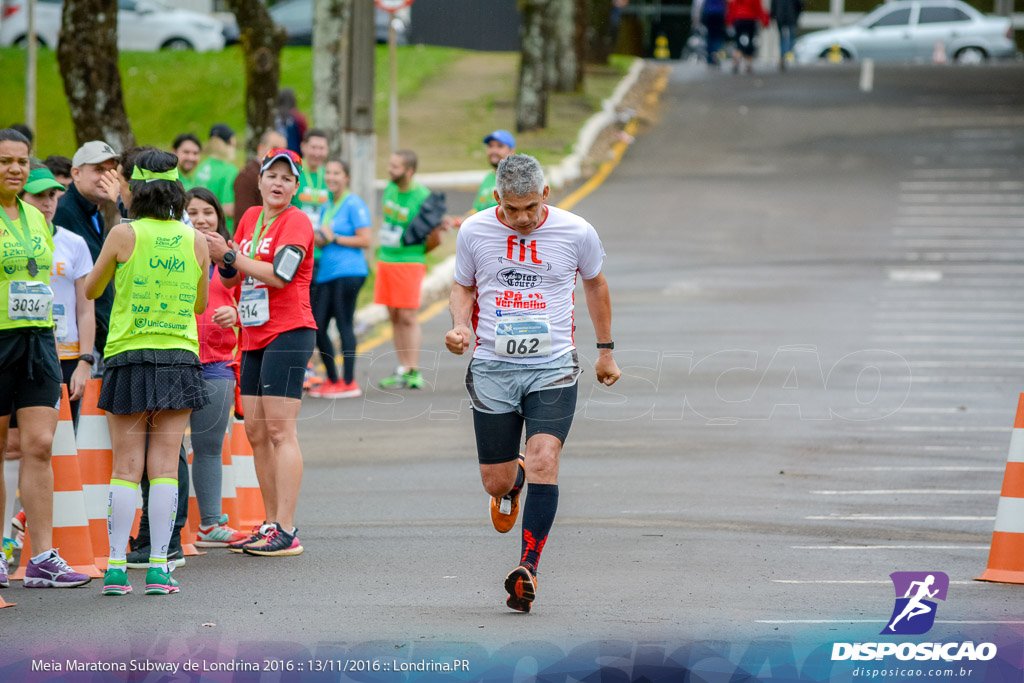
[154, 377]
[30, 376]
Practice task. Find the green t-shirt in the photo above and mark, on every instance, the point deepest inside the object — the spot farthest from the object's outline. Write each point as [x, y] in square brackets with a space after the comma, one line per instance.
[399, 209]
[485, 195]
[154, 307]
[311, 198]
[14, 276]
[189, 181]
[219, 178]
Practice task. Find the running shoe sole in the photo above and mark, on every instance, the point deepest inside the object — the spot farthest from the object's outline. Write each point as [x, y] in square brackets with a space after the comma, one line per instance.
[521, 586]
[505, 522]
[287, 552]
[47, 583]
[117, 590]
[160, 589]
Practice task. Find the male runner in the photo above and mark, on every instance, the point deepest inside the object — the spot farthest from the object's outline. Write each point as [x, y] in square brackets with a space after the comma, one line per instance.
[515, 276]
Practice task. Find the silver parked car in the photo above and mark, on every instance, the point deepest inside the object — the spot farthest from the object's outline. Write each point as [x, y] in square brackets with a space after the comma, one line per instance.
[909, 30]
[141, 25]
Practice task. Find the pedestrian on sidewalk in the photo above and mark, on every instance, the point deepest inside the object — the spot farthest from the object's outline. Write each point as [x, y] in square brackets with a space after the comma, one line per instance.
[344, 233]
[153, 379]
[786, 14]
[744, 16]
[413, 219]
[218, 338]
[271, 258]
[30, 374]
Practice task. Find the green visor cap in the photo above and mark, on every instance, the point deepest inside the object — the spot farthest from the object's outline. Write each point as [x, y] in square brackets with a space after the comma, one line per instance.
[41, 180]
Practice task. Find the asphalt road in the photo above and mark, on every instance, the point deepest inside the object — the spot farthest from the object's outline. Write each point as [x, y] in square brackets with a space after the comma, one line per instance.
[816, 309]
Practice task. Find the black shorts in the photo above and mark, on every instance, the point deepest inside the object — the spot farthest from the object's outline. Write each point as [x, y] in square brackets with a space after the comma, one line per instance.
[279, 368]
[499, 435]
[746, 31]
[29, 370]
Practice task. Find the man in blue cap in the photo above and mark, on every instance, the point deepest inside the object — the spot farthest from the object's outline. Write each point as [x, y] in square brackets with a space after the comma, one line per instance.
[500, 144]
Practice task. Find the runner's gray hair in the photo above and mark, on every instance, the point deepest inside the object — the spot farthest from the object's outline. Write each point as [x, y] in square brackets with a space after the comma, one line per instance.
[520, 175]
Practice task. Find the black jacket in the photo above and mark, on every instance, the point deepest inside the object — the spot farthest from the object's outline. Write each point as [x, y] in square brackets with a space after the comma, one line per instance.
[75, 213]
[429, 217]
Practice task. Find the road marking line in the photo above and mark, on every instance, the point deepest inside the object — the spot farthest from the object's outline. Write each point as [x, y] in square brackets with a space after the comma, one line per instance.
[886, 582]
[388, 333]
[951, 198]
[890, 547]
[958, 221]
[901, 518]
[942, 185]
[921, 326]
[909, 492]
[1002, 622]
[943, 339]
[959, 172]
[939, 430]
[936, 468]
[969, 211]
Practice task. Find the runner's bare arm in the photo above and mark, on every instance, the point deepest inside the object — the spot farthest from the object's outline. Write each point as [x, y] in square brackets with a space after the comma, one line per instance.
[599, 304]
[461, 306]
[121, 237]
[202, 252]
[263, 270]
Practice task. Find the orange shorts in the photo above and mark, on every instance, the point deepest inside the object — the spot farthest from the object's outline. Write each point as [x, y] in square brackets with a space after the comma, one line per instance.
[397, 285]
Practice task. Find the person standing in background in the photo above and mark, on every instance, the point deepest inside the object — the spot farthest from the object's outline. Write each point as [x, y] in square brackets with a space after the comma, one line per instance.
[94, 181]
[217, 171]
[786, 14]
[188, 148]
[744, 16]
[344, 233]
[247, 182]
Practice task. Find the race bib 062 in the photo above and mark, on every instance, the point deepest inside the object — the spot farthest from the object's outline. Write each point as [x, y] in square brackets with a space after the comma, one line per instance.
[523, 337]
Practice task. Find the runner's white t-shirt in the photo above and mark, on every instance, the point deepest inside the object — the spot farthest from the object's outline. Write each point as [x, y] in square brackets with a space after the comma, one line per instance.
[71, 260]
[525, 286]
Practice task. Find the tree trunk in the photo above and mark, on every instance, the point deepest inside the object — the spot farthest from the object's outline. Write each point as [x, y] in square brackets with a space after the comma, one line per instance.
[330, 67]
[580, 38]
[92, 80]
[532, 97]
[599, 38]
[261, 41]
[560, 46]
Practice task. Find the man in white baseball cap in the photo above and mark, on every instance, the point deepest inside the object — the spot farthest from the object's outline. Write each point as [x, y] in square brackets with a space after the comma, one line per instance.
[94, 181]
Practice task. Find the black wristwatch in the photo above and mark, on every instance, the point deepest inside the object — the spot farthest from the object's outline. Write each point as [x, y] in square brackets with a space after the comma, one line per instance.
[606, 345]
[229, 257]
[87, 357]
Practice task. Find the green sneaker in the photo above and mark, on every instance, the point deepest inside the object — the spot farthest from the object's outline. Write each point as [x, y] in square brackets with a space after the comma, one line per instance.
[395, 381]
[159, 582]
[115, 582]
[413, 379]
[9, 549]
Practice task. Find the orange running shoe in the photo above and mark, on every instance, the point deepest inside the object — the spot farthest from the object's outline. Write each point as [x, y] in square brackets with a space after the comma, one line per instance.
[521, 584]
[505, 510]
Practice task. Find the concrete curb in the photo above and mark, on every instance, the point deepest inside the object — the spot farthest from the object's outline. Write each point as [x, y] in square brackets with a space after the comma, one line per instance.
[438, 281]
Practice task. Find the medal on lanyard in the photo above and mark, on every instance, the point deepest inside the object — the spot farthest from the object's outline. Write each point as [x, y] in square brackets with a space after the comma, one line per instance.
[24, 237]
[257, 234]
[332, 211]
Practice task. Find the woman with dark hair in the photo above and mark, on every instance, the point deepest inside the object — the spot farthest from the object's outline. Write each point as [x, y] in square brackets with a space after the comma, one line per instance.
[154, 378]
[344, 233]
[273, 261]
[30, 374]
[218, 338]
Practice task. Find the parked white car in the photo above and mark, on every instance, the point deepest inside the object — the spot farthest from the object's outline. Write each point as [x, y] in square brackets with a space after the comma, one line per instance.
[909, 30]
[141, 25]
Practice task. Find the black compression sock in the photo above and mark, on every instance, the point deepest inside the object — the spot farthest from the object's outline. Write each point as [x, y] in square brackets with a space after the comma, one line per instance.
[538, 516]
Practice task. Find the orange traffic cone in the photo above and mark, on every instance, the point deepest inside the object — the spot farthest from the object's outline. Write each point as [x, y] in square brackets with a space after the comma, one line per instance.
[251, 511]
[191, 528]
[3, 603]
[1006, 556]
[96, 462]
[70, 522]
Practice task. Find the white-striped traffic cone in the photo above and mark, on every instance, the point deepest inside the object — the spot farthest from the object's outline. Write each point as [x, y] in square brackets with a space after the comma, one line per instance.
[1006, 556]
